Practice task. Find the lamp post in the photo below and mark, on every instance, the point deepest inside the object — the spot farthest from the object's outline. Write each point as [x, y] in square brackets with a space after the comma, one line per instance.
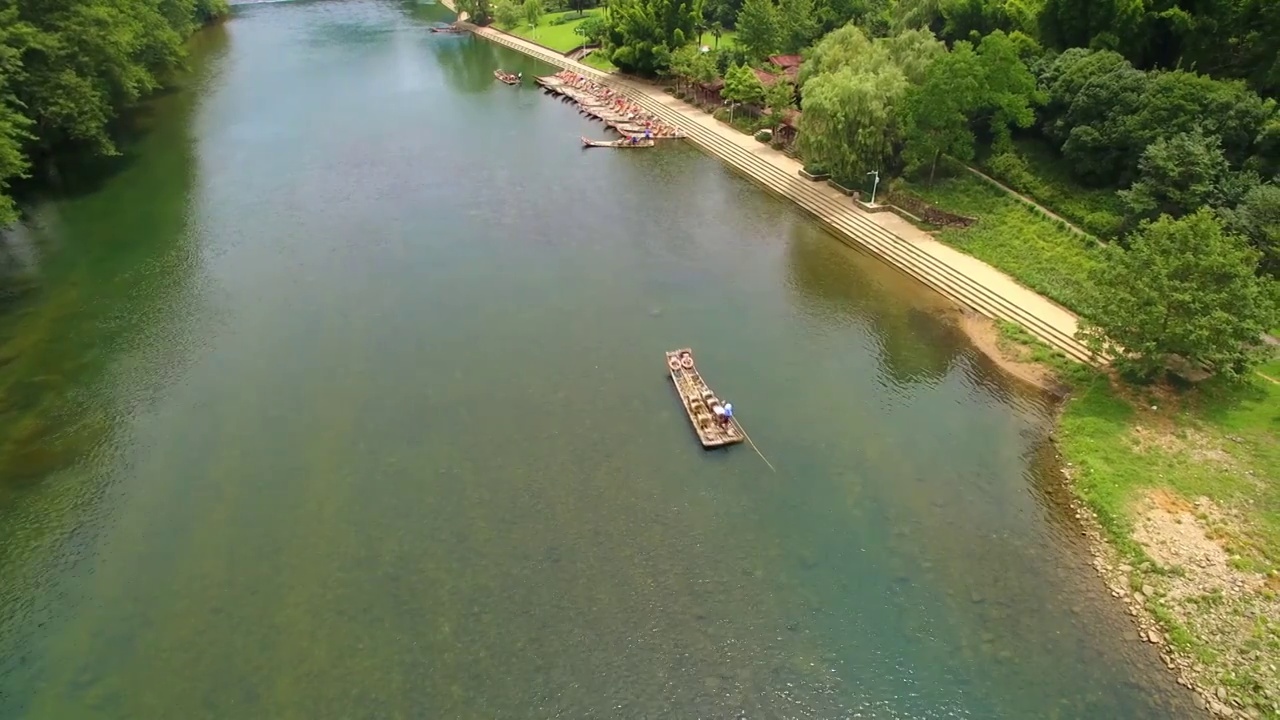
[875, 184]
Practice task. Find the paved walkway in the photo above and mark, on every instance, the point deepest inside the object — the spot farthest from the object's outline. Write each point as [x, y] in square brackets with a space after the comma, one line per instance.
[962, 278]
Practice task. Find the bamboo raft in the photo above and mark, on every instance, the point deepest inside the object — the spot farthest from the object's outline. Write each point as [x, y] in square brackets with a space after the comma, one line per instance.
[623, 143]
[451, 29]
[506, 77]
[594, 107]
[700, 403]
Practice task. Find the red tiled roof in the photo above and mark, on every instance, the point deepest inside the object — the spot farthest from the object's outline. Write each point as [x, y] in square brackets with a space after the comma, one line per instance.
[786, 62]
[766, 79]
[792, 119]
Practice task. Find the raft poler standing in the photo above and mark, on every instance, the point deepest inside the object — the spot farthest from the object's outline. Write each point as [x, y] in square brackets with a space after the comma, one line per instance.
[728, 413]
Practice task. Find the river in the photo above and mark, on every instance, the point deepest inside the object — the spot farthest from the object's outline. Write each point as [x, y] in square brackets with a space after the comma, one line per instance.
[344, 396]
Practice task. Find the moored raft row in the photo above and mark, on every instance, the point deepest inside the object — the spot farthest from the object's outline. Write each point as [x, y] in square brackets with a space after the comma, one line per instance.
[599, 102]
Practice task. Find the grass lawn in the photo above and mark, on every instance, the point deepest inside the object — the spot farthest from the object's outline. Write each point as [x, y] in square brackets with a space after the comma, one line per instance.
[554, 30]
[599, 62]
[728, 39]
[1035, 250]
[1047, 181]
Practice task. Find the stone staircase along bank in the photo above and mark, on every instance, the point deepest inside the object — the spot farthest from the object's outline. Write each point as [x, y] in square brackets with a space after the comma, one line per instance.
[1047, 321]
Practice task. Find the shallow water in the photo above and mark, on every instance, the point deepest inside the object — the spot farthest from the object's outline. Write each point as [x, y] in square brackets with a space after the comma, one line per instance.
[345, 397]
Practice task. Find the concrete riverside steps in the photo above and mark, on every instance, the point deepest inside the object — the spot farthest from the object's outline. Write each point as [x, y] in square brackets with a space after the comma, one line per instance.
[963, 279]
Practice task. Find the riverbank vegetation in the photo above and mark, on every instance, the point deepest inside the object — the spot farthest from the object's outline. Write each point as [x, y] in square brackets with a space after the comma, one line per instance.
[69, 69]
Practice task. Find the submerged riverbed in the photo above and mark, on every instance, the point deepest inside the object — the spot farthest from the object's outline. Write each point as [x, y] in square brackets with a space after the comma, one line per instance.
[345, 397]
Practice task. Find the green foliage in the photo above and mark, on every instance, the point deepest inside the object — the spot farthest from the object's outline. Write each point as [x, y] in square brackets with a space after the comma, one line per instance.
[1178, 175]
[507, 14]
[478, 11]
[1257, 218]
[760, 29]
[938, 111]
[67, 70]
[1103, 113]
[1104, 24]
[799, 25]
[593, 29]
[532, 11]
[850, 119]
[779, 97]
[1033, 249]
[1092, 98]
[1008, 88]
[742, 86]
[1035, 170]
[964, 18]
[1184, 287]
[643, 33]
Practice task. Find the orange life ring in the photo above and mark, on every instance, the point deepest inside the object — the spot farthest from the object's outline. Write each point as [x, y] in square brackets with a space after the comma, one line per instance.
[687, 362]
[673, 363]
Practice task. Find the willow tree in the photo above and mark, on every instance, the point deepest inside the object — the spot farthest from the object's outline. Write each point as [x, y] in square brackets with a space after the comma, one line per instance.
[849, 121]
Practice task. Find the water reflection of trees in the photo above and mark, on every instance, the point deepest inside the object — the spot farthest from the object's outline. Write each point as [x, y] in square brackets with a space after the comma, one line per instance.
[118, 271]
[917, 343]
[468, 62]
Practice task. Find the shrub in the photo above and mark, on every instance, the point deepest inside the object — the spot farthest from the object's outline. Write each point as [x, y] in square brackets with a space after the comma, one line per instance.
[764, 136]
[1011, 168]
[777, 144]
[1103, 224]
[816, 169]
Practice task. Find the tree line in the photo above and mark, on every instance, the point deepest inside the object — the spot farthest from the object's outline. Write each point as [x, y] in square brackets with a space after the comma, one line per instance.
[68, 68]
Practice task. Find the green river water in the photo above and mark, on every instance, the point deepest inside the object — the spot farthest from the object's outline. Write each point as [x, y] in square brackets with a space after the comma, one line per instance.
[344, 397]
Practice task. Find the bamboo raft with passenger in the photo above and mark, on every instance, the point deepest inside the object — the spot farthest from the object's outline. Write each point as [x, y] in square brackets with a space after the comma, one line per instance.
[506, 77]
[712, 419]
[626, 142]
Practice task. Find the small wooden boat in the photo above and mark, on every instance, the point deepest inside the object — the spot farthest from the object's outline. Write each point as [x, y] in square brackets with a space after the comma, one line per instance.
[506, 77]
[623, 143]
[700, 403]
[453, 29]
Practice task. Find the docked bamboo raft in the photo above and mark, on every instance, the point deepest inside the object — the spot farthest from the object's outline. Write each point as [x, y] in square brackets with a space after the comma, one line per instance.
[594, 107]
[506, 77]
[700, 403]
[623, 143]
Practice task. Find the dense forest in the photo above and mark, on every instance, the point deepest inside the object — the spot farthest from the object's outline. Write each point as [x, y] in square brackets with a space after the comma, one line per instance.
[68, 68]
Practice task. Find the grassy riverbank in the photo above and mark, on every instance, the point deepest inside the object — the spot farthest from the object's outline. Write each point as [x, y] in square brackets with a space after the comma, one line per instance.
[1181, 480]
[1182, 483]
[1037, 251]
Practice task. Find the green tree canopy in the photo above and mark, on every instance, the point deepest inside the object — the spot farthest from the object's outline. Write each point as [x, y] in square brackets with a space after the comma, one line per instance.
[69, 67]
[938, 111]
[742, 86]
[780, 97]
[1184, 287]
[532, 11]
[643, 33]
[850, 119]
[1257, 218]
[508, 14]
[1009, 89]
[1178, 175]
[760, 29]
[800, 25]
[593, 29]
